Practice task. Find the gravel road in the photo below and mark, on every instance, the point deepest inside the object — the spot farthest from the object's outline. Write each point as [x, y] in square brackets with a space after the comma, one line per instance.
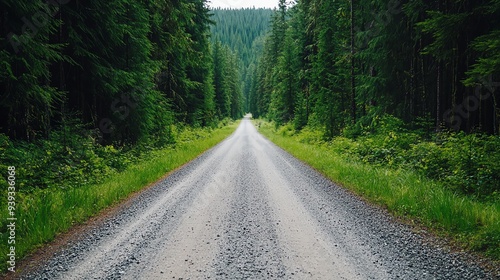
[248, 210]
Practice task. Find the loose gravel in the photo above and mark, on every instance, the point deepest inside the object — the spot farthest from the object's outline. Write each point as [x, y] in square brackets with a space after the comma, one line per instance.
[248, 210]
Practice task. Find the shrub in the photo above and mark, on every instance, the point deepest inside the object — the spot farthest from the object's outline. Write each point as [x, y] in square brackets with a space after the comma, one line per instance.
[467, 164]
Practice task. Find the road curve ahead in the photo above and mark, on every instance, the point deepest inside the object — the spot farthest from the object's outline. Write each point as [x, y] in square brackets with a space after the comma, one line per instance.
[248, 210]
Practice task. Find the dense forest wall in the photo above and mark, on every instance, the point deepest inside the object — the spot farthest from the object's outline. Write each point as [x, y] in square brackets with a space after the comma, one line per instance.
[434, 64]
[123, 70]
[241, 32]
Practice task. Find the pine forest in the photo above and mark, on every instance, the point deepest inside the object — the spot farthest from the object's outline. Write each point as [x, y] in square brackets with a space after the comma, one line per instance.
[91, 90]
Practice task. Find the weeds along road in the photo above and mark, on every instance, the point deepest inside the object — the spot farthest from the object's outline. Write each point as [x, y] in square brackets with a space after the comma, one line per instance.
[248, 210]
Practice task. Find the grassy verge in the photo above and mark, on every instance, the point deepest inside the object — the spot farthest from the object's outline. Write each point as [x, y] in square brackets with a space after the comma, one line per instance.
[42, 214]
[474, 224]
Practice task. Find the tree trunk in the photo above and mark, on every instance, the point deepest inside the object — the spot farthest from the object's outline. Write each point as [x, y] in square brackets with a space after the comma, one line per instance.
[438, 97]
[353, 78]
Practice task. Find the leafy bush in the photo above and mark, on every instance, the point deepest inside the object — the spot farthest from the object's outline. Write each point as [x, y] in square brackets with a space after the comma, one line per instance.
[311, 136]
[286, 130]
[430, 159]
[474, 163]
[468, 164]
[72, 157]
[75, 160]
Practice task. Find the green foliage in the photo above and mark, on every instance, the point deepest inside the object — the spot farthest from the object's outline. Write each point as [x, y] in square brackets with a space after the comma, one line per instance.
[242, 31]
[28, 98]
[465, 163]
[489, 63]
[228, 95]
[412, 59]
[70, 158]
[283, 97]
[239, 29]
[128, 68]
[267, 97]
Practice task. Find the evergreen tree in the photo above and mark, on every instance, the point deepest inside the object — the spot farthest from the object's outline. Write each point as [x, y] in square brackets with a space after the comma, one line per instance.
[243, 31]
[120, 67]
[357, 60]
[221, 81]
[284, 94]
[28, 97]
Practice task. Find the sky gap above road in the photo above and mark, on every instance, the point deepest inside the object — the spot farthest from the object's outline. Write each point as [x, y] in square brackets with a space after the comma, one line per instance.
[238, 4]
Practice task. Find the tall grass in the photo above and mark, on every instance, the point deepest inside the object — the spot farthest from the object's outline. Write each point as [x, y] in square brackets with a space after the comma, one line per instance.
[474, 224]
[43, 214]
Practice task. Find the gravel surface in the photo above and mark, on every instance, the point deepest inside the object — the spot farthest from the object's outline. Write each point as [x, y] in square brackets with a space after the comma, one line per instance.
[248, 210]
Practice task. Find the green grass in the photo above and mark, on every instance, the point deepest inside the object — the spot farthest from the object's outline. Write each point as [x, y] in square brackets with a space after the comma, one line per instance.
[43, 214]
[474, 224]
